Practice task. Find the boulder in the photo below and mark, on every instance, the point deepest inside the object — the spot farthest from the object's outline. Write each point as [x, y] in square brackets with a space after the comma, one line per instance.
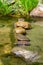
[20, 30]
[38, 11]
[24, 24]
[25, 54]
[21, 37]
[10, 1]
[22, 43]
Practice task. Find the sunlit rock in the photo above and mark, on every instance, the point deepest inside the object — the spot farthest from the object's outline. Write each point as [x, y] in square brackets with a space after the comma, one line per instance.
[25, 54]
[20, 30]
[38, 11]
[22, 23]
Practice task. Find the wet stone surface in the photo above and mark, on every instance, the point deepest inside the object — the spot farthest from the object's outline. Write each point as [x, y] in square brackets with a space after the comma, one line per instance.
[21, 37]
[22, 43]
[20, 30]
[26, 55]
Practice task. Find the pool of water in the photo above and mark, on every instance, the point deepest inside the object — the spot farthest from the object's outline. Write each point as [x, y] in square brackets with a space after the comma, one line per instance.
[7, 39]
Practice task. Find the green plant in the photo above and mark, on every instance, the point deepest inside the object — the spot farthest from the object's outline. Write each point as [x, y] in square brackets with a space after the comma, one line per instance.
[29, 4]
[20, 6]
[24, 6]
[4, 8]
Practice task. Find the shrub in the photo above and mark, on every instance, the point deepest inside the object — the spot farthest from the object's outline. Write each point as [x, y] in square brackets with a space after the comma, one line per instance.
[29, 4]
[20, 6]
[24, 6]
[4, 8]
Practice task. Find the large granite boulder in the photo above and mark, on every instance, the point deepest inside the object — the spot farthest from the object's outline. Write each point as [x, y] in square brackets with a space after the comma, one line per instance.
[38, 11]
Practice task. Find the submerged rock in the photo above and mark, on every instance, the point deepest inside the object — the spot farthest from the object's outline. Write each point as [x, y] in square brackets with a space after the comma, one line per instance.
[21, 37]
[27, 55]
[22, 43]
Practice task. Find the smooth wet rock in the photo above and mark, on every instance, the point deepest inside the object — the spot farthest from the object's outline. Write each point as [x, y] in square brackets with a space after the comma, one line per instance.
[20, 30]
[21, 37]
[22, 43]
[23, 53]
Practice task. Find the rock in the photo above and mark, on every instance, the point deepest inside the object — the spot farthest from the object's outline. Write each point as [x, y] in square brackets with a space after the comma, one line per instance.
[38, 11]
[22, 43]
[20, 30]
[23, 24]
[21, 37]
[27, 55]
[10, 1]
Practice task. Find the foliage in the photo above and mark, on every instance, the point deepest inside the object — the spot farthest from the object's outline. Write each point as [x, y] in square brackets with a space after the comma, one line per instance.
[29, 4]
[24, 6]
[20, 6]
[4, 8]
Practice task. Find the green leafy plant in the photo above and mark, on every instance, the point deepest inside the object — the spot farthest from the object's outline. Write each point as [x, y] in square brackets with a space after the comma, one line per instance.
[24, 6]
[4, 8]
[29, 4]
[20, 6]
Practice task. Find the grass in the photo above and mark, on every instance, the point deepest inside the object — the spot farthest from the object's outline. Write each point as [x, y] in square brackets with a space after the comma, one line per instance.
[7, 38]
